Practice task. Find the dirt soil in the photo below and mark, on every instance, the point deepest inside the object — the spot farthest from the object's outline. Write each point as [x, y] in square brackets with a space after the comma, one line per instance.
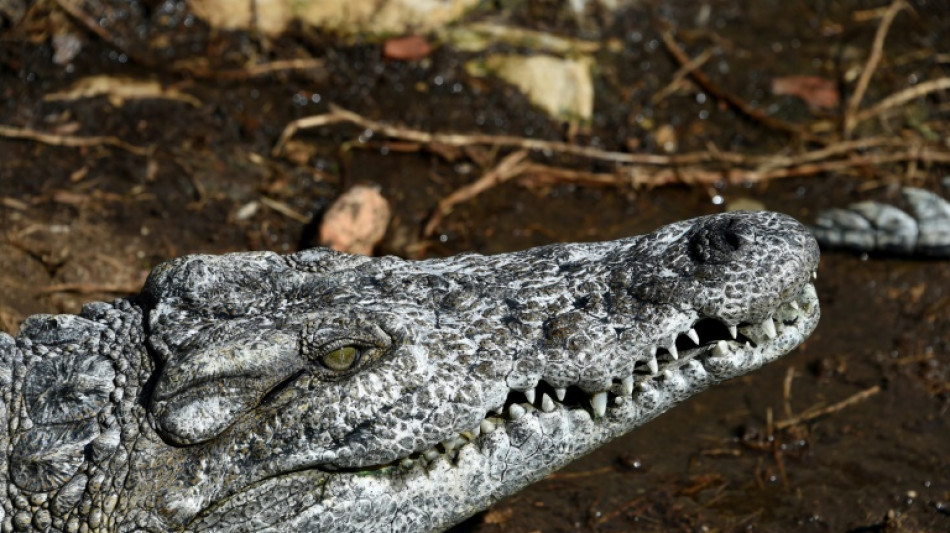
[192, 170]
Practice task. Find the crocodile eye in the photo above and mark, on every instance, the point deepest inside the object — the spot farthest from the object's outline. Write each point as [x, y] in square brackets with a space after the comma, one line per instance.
[341, 359]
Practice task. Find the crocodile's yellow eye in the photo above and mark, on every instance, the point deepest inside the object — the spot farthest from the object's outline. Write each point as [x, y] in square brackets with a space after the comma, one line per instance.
[342, 359]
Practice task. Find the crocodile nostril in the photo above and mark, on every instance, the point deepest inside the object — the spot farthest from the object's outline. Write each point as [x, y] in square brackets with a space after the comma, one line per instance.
[715, 242]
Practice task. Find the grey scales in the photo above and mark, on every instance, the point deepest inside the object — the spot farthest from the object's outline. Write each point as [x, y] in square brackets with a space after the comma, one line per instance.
[321, 392]
[882, 228]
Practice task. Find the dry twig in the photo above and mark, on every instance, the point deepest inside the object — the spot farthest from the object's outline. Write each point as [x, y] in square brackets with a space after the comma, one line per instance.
[509, 167]
[70, 140]
[877, 51]
[812, 414]
[683, 59]
[91, 288]
[896, 99]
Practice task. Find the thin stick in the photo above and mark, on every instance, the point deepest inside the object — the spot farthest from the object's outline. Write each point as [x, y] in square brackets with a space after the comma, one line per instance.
[509, 167]
[877, 51]
[941, 84]
[787, 391]
[70, 140]
[683, 71]
[253, 71]
[285, 210]
[683, 59]
[815, 413]
[338, 115]
[90, 288]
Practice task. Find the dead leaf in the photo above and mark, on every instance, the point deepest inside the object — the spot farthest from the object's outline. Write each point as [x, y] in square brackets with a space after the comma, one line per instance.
[814, 90]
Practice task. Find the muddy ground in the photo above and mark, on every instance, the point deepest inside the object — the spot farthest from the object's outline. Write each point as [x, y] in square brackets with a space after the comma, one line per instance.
[86, 223]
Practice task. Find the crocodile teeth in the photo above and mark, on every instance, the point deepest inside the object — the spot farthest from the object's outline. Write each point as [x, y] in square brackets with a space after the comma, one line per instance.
[547, 404]
[652, 364]
[430, 455]
[559, 393]
[693, 336]
[814, 275]
[472, 434]
[486, 426]
[794, 305]
[530, 395]
[673, 351]
[734, 331]
[769, 328]
[516, 411]
[406, 463]
[449, 444]
[721, 348]
[599, 403]
[627, 384]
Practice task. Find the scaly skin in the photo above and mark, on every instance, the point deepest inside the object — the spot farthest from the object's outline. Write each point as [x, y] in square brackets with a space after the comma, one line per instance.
[325, 392]
[881, 228]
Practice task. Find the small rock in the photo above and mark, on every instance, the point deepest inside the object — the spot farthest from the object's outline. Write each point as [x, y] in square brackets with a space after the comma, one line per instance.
[356, 221]
[410, 48]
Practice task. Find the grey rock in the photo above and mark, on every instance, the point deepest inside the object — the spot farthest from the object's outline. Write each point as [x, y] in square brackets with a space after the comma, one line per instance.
[325, 392]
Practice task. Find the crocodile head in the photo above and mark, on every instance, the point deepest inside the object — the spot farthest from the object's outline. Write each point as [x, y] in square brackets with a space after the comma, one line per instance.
[326, 392]
[322, 391]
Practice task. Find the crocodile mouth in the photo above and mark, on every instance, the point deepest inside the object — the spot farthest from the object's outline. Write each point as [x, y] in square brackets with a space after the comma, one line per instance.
[707, 353]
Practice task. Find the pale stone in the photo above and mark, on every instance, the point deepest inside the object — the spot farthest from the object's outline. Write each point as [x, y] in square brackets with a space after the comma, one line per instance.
[561, 87]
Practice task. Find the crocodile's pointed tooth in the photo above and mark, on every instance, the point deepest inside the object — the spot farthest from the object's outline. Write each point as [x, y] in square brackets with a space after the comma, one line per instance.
[794, 305]
[599, 403]
[721, 348]
[430, 455]
[449, 444]
[406, 463]
[472, 434]
[769, 328]
[547, 404]
[674, 352]
[733, 331]
[814, 275]
[559, 393]
[530, 395]
[626, 385]
[693, 336]
[486, 426]
[499, 410]
[516, 411]
[652, 364]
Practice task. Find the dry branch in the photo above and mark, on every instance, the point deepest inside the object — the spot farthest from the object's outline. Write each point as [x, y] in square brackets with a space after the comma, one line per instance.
[683, 59]
[877, 51]
[812, 414]
[70, 140]
[509, 167]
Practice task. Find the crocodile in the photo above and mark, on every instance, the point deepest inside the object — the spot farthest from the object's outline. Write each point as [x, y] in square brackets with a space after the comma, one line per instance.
[320, 391]
[875, 227]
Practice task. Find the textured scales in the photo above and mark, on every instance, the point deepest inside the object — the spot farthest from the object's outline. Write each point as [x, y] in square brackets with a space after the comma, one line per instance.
[325, 392]
[883, 228]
